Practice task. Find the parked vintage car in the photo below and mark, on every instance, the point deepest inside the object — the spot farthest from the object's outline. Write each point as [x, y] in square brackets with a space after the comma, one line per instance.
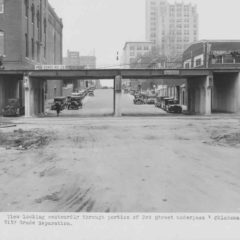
[175, 108]
[138, 100]
[13, 108]
[165, 101]
[59, 100]
[158, 102]
[172, 106]
[150, 100]
[91, 93]
[74, 102]
[81, 93]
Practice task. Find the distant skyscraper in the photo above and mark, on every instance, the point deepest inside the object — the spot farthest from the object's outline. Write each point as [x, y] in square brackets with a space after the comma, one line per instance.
[171, 27]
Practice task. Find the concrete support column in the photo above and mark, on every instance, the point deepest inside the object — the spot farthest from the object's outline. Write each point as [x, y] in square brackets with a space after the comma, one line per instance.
[207, 109]
[190, 96]
[205, 97]
[117, 96]
[28, 93]
[200, 95]
[208, 95]
[238, 92]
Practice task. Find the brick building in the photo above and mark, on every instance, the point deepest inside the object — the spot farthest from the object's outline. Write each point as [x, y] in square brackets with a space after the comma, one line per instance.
[30, 34]
[212, 53]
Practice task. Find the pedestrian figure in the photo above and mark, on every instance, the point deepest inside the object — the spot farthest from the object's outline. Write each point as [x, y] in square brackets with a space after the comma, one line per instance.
[58, 108]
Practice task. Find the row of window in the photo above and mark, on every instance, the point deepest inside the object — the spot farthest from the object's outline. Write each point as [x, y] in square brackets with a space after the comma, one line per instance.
[227, 58]
[146, 48]
[180, 20]
[26, 3]
[179, 15]
[221, 59]
[33, 14]
[177, 33]
[34, 45]
[176, 21]
[172, 39]
[2, 46]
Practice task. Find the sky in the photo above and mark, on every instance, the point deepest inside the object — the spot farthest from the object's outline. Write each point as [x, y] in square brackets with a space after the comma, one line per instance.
[103, 26]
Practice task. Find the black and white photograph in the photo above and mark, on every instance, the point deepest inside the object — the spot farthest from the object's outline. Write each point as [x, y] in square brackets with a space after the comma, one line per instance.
[120, 107]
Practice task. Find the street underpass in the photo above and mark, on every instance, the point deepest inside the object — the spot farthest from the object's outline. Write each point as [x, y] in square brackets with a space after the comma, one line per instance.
[207, 90]
[101, 104]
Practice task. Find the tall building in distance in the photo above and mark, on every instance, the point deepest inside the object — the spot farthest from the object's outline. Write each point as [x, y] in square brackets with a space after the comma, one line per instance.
[171, 27]
[74, 59]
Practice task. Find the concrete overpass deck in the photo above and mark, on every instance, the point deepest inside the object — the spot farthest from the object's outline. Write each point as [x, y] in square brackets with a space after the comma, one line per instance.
[112, 73]
[209, 89]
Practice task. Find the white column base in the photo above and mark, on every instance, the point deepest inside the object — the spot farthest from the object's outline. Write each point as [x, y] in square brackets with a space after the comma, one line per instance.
[27, 87]
[118, 110]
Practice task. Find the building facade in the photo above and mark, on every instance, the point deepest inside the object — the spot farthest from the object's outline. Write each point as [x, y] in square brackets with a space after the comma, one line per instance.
[171, 27]
[30, 34]
[74, 59]
[134, 50]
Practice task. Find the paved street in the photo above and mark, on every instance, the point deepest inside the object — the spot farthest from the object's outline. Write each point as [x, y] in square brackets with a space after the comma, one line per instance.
[102, 104]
